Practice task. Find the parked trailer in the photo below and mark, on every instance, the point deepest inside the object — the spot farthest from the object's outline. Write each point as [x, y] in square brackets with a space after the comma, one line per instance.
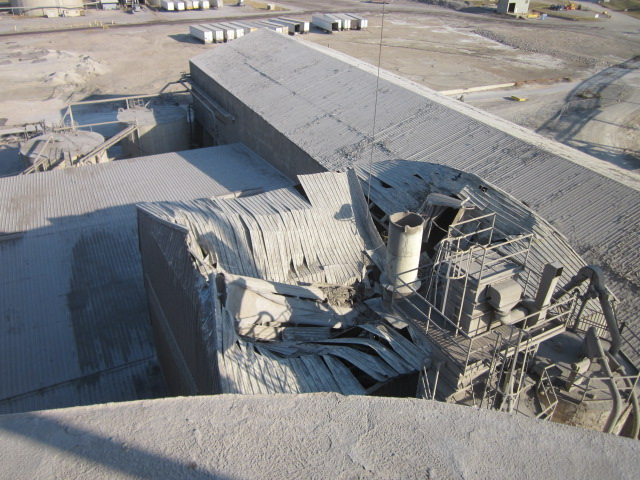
[272, 26]
[201, 33]
[258, 24]
[238, 31]
[361, 22]
[167, 5]
[332, 16]
[204, 4]
[180, 6]
[346, 21]
[292, 26]
[217, 33]
[188, 4]
[324, 23]
[229, 32]
[352, 20]
[247, 27]
[304, 26]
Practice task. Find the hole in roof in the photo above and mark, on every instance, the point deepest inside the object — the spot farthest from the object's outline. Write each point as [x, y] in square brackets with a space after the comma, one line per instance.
[301, 191]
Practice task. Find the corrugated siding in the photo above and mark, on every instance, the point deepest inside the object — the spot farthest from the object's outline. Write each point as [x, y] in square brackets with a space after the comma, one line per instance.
[323, 103]
[71, 295]
[280, 237]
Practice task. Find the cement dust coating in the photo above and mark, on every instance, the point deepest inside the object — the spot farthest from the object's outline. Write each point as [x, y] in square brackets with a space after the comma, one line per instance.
[303, 436]
[437, 47]
[43, 73]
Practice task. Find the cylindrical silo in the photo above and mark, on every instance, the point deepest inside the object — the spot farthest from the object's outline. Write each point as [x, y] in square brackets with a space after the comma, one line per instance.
[61, 149]
[161, 129]
[40, 8]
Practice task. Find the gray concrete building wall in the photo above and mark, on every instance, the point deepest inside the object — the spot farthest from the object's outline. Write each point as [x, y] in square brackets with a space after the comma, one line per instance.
[250, 128]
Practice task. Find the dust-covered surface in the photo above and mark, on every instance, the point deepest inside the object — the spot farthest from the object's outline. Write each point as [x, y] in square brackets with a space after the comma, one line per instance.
[435, 46]
[549, 62]
[303, 436]
[74, 322]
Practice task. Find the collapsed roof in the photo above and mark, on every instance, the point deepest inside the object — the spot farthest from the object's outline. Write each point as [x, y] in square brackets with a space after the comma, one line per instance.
[274, 295]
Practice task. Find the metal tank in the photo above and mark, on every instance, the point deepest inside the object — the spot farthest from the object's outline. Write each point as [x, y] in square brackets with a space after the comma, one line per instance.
[61, 150]
[160, 129]
[48, 8]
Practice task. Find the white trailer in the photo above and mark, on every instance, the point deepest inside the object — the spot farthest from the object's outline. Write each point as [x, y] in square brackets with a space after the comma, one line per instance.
[337, 19]
[229, 32]
[324, 23]
[188, 4]
[204, 4]
[273, 26]
[239, 31]
[247, 27]
[180, 6]
[361, 22]
[353, 20]
[293, 27]
[217, 33]
[304, 26]
[201, 33]
[346, 21]
[167, 5]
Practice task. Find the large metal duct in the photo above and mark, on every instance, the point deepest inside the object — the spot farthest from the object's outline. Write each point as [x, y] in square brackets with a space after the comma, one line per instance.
[403, 253]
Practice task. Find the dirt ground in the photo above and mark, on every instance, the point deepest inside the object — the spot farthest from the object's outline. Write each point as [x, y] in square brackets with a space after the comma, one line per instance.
[550, 61]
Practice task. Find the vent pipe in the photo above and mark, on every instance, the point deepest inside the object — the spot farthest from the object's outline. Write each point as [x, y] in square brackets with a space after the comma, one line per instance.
[403, 254]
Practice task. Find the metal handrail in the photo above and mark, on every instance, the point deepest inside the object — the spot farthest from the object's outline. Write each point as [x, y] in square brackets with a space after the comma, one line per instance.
[553, 402]
[586, 387]
[564, 309]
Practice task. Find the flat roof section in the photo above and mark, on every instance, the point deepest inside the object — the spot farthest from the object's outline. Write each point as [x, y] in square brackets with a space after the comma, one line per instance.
[76, 326]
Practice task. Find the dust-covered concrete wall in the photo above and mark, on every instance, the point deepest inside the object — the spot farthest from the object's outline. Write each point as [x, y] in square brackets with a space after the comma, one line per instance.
[248, 127]
[174, 293]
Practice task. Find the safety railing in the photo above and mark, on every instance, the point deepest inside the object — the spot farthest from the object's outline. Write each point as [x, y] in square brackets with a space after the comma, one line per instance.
[587, 385]
[461, 347]
[546, 395]
[455, 264]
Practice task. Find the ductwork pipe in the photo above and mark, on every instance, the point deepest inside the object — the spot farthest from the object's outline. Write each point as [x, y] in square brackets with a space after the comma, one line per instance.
[614, 416]
[403, 253]
[594, 273]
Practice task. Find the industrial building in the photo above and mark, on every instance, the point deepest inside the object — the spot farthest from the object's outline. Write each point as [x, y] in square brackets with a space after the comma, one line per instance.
[307, 109]
[513, 7]
[47, 8]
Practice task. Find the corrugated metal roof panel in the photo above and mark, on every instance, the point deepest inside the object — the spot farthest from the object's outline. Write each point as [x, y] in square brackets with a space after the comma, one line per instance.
[71, 292]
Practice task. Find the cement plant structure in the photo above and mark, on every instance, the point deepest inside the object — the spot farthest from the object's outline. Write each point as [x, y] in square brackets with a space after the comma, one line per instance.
[285, 108]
